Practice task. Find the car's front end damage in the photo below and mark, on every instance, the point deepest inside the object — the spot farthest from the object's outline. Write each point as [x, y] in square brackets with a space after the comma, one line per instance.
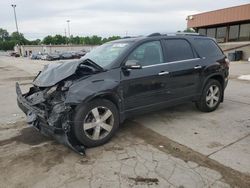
[44, 104]
[48, 113]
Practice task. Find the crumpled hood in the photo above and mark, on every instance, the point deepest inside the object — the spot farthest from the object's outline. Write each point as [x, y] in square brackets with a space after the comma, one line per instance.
[55, 72]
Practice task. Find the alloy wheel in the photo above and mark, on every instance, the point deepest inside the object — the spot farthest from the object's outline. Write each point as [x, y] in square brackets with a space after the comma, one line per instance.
[98, 123]
[213, 96]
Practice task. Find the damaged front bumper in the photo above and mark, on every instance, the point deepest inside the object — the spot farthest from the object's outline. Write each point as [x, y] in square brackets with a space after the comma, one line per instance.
[39, 119]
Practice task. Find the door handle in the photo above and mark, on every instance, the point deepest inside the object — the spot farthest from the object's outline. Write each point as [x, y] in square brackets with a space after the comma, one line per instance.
[163, 73]
[198, 67]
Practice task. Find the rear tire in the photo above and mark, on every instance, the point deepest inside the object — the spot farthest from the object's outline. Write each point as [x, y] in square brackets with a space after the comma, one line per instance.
[211, 96]
[96, 122]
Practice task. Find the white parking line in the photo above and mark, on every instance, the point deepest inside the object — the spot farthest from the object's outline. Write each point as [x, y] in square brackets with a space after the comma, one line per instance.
[244, 77]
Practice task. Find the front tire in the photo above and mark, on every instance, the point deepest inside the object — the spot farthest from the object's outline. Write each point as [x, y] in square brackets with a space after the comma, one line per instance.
[96, 122]
[211, 96]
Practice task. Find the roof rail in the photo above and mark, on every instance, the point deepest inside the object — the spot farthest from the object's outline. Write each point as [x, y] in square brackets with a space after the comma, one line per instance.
[128, 37]
[174, 34]
[154, 34]
[187, 33]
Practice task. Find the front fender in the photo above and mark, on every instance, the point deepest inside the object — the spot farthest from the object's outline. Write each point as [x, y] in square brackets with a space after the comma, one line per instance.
[84, 91]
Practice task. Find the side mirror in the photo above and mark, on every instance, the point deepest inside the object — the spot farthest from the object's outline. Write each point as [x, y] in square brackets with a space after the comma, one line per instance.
[132, 64]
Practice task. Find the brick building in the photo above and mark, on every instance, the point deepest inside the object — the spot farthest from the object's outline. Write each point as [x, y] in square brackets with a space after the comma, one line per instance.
[229, 26]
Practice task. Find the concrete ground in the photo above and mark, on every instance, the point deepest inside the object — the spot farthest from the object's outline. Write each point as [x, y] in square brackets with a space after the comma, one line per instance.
[176, 147]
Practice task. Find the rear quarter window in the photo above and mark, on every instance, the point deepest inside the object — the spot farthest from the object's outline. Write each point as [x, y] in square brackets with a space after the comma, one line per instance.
[207, 48]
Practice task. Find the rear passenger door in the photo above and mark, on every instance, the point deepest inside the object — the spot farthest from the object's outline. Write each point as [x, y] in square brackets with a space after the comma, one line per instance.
[184, 68]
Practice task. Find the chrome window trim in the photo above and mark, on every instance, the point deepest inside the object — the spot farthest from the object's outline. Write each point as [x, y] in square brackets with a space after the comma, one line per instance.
[171, 62]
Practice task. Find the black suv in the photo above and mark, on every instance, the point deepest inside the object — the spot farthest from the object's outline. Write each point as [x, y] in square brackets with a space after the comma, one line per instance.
[87, 99]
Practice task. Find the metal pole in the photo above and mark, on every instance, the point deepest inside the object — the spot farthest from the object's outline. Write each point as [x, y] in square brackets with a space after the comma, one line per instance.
[68, 27]
[14, 8]
[65, 32]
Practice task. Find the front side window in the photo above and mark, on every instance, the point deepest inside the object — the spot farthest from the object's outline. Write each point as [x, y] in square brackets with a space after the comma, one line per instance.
[149, 53]
[178, 49]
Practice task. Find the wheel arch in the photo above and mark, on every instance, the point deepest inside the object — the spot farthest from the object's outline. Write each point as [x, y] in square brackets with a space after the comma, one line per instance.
[79, 119]
[108, 96]
[220, 79]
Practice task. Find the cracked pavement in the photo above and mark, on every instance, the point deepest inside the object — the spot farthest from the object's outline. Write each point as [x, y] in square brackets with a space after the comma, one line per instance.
[126, 161]
[148, 151]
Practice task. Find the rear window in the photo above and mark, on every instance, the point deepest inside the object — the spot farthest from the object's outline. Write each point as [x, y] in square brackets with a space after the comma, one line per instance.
[178, 49]
[207, 48]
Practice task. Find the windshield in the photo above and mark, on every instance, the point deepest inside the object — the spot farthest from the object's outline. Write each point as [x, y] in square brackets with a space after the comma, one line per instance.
[106, 53]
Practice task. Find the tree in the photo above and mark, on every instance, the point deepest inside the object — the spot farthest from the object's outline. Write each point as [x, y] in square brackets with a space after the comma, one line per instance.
[95, 40]
[4, 35]
[87, 40]
[76, 40]
[35, 42]
[7, 42]
[7, 45]
[189, 30]
[110, 39]
[19, 38]
[48, 40]
[57, 39]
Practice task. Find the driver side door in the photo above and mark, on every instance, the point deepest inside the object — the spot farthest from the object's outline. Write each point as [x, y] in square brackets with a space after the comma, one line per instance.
[144, 86]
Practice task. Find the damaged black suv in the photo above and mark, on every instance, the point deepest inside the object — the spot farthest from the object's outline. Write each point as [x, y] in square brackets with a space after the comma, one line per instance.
[83, 102]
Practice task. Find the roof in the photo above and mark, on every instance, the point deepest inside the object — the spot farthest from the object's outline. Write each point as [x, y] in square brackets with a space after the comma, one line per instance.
[128, 39]
[54, 45]
[159, 36]
[228, 15]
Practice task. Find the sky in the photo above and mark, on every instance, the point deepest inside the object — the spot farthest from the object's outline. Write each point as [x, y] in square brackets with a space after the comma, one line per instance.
[37, 19]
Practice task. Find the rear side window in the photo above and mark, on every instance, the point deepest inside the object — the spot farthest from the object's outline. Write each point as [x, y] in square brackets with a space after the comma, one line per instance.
[207, 48]
[178, 49]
